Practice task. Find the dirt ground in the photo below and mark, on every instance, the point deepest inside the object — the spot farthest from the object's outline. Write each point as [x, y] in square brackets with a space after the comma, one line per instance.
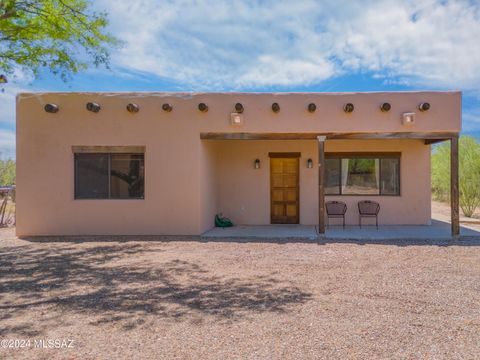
[238, 300]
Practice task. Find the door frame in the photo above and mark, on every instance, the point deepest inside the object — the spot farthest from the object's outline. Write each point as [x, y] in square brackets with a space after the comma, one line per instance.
[285, 155]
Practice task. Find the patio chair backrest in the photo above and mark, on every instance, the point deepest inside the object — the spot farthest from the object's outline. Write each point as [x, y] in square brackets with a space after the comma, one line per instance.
[368, 207]
[336, 208]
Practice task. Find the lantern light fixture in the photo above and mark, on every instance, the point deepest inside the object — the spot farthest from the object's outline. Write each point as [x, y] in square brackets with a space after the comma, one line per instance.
[239, 108]
[348, 108]
[256, 164]
[275, 107]
[3, 79]
[93, 107]
[203, 107]
[51, 108]
[167, 107]
[133, 108]
[424, 106]
[309, 163]
[385, 107]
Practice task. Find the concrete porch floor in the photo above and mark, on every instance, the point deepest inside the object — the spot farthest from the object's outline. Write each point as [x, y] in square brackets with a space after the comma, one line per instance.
[439, 230]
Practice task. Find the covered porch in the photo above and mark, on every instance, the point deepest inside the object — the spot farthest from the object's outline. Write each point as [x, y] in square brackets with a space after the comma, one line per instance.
[436, 230]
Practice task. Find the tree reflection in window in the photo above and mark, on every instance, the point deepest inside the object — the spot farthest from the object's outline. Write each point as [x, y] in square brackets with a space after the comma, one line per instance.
[109, 176]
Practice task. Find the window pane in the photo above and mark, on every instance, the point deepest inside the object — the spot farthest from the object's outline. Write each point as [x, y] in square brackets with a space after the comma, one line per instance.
[360, 176]
[91, 176]
[332, 176]
[127, 176]
[390, 175]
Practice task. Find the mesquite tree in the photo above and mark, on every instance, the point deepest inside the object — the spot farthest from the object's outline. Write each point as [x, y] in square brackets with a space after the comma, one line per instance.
[63, 36]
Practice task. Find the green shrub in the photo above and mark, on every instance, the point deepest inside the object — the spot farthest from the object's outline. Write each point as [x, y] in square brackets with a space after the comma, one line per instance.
[469, 168]
[7, 172]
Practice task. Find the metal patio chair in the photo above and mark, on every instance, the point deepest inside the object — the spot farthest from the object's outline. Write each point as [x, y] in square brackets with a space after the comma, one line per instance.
[335, 209]
[368, 208]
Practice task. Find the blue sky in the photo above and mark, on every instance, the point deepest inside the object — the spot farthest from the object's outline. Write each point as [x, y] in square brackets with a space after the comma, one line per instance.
[274, 45]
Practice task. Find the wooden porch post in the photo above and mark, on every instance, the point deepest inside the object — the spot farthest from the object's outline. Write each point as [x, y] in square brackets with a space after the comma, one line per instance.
[321, 184]
[454, 189]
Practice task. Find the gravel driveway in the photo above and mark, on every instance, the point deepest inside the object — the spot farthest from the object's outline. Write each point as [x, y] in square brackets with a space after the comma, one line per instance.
[230, 300]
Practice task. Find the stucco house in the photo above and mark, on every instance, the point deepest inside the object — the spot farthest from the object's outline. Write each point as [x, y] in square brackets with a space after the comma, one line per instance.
[166, 163]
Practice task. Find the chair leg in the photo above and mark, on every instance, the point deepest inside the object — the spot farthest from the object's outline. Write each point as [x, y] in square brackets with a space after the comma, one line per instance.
[344, 221]
[376, 221]
[360, 221]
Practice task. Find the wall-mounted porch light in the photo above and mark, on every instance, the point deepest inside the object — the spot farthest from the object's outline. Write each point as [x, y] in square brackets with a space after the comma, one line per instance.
[309, 163]
[239, 108]
[275, 107]
[51, 108]
[133, 108]
[385, 107]
[256, 164]
[408, 118]
[3, 79]
[348, 108]
[167, 107]
[93, 107]
[312, 107]
[424, 106]
[203, 107]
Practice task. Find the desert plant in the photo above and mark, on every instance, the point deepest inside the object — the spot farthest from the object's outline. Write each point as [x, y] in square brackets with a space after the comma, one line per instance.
[7, 172]
[469, 167]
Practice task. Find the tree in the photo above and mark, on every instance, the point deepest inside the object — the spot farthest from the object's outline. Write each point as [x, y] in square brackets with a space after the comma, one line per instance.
[7, 172]
[469, 184]
[63, 36]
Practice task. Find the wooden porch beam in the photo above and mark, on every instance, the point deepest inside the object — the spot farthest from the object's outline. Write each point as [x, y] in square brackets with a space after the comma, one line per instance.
[454, 188]
[330, 136]
[321, 184]
[434, 141]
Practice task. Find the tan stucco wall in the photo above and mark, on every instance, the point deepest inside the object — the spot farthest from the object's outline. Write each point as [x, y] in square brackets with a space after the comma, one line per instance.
[185, 176]
[244, 192]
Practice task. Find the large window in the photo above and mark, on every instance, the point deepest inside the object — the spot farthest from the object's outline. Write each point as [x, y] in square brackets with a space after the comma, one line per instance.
[109, 176]
[362, 174]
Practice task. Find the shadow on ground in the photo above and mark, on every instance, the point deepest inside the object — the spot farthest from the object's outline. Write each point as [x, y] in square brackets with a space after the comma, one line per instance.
[104, 284]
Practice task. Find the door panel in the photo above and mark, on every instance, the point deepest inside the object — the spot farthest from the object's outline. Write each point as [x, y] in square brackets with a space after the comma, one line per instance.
[284, 190]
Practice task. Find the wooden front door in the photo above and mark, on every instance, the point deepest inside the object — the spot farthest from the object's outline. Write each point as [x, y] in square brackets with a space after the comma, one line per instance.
[284, 188]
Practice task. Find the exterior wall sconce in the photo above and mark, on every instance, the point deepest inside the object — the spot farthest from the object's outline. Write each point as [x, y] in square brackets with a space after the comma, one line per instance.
[203, 107]
[236, 119]
[275, 107]
[239, 108]
[133, 108]
[167, 107]
[51, 108]
[309, 163]
[312, 107]
[424, 106]
[93, 107]
[256, 164]
[408, 118]
[348, 108]
[3, 79]
[385, 107]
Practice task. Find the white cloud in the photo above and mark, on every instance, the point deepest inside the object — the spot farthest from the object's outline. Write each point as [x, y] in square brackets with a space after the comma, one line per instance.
[218, 44]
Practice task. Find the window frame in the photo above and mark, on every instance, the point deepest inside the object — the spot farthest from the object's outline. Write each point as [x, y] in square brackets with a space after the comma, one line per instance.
[109, 167]
[366, 155]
